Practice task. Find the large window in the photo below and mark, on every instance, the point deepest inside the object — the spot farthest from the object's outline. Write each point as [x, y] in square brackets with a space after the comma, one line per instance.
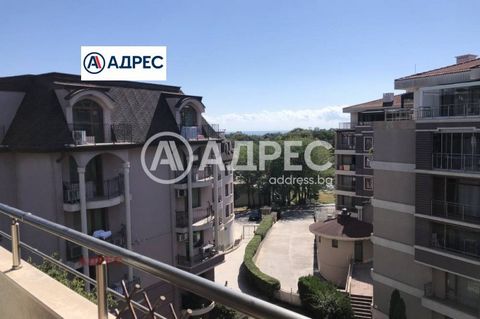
[368, 183]
[367, 143]
[457, 151]
[88, 117]
[188, 116]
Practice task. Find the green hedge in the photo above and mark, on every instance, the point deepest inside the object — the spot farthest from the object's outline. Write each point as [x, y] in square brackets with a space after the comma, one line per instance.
[264, 226]
[261, 281]
[322, 299]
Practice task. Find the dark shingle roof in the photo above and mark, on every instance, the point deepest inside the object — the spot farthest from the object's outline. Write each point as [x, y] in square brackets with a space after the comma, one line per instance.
[40, 123]
[342, 227]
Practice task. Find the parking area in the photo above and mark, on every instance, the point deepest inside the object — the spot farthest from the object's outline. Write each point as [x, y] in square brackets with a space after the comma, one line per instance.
[287, 252]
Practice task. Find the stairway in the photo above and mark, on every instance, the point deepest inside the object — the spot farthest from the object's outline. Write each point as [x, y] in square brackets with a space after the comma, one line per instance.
[361, 306]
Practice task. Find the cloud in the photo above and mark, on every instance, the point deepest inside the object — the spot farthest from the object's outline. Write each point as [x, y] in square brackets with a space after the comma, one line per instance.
[325, 117]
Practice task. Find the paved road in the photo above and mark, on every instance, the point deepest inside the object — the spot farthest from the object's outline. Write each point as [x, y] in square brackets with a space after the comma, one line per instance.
[229, 271]
[287, 251]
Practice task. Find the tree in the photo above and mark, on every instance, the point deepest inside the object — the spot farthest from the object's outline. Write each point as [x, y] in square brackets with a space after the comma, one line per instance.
[397, 306]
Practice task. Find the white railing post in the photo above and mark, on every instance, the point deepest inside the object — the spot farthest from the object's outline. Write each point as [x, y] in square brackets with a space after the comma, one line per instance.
[15, 228]
[101, 272]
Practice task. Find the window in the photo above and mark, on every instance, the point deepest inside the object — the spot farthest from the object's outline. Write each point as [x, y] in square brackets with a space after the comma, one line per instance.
[195, 197]
[367, 162]
[227, 210]
[88, 117]
[334, 243]
[319, 239]
[226, 189]
[368, 183]
[188, 116]
[367, 143]
[197, 239]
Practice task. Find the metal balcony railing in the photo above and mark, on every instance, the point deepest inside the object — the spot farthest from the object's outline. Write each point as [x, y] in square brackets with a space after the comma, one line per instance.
[449, 110]
[467, 247]
[202, 132]
[456, 211]
[241, 302]
[345, 187]
[198, 215]
[457, 162]
[107, 189]
[100, 133]
[346, 167]
[402, 114]
[346, 125]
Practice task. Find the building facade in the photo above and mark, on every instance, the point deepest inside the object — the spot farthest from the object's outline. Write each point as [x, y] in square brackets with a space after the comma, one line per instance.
[70, 151]
[426, 210]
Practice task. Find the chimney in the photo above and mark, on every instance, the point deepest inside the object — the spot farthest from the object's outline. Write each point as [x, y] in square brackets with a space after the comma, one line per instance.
[465, 58]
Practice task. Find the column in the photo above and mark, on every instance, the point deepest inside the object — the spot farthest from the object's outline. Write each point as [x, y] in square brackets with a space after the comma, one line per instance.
[216, 207]
[83, 216]
[128, 214]
[190, 216]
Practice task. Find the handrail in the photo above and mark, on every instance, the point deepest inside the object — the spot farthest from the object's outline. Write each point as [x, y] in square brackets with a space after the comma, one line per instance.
[449, 110]
[244, 303]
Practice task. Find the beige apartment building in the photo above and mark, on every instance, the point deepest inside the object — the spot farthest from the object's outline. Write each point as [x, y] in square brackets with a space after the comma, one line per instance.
[70, 152]
[426, 197]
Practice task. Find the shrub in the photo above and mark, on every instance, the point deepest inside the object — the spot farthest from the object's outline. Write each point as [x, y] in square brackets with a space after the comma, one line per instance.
[322, 299]
[397, 306]
[264, 226]
[261, 281]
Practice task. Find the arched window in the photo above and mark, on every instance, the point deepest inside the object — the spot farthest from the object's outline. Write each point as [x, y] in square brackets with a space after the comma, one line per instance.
[88, 117]
[189, 116]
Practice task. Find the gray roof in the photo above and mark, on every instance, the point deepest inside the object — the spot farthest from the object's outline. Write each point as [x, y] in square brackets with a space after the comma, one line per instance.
[40, 123]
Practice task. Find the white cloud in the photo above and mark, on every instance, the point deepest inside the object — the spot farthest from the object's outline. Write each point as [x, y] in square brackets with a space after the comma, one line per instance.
[325, 117]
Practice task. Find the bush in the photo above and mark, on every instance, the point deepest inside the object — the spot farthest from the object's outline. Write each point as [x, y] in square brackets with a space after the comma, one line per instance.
[322, 299]
[261, 281]
[264, 226]
[397, 306]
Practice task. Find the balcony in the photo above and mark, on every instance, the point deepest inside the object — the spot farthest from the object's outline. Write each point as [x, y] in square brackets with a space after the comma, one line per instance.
[104, 190]
[345, 187]
[456, 162]
[452, 308]
[199, 215]
[462, 110]
[346, 125]
[456, 211]
[200, 178]
[346, 167]
[200, 262]
[34, 291]
[88, 134]
[202, 132]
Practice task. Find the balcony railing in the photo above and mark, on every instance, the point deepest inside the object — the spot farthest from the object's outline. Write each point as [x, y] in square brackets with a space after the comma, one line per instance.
[346, 167]
[346, 125]
[345, 187]
[449, 110]
[466, 247]
[198, 215]
[457, 162]
[187, 281]
[456, 211]
[202, 132]
[345, 146]
[403, 114]
[100, 133]
[107, 189]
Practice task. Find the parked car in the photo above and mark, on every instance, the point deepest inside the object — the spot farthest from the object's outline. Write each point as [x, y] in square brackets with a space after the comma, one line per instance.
[255, 215]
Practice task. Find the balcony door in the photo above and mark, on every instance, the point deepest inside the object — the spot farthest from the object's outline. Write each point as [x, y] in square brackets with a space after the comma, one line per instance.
[88, 117]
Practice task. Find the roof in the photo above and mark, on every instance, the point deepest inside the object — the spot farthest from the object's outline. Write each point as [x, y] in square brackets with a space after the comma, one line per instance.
[342, 227]
[40, 124]
[454, 68]
[375, 104]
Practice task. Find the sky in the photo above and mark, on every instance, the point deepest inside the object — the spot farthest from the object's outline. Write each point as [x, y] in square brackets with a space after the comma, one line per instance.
[259, 65]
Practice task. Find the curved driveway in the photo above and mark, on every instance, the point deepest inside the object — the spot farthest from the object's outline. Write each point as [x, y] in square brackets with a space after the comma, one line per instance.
[287, 251]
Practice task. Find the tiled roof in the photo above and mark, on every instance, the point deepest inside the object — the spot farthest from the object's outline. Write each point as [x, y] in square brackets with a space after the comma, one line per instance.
[375, 104]
[342, 227]
[454, 68]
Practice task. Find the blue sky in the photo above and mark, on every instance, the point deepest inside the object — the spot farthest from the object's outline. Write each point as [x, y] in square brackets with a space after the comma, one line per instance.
[260, 65]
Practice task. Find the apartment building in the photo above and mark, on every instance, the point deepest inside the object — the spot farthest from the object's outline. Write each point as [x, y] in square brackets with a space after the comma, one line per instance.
[70, 151]
[427, 187]
[354, 146]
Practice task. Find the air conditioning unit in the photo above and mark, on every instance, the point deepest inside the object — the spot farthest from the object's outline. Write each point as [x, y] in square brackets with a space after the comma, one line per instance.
[182, 237]
[181, 193]
[74, 252]
[80, 137]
